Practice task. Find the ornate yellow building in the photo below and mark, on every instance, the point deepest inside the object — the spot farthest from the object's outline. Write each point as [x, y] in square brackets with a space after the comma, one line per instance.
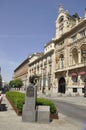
[70, 41]
[60, 68]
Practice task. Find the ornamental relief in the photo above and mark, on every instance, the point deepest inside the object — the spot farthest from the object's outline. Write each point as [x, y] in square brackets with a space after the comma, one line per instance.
[82, 40]
[61, 49]
[78, 42]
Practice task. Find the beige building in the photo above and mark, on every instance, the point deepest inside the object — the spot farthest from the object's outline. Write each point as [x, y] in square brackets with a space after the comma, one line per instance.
[41, 65]
[70, 41]
[60, 68]
[21, 72]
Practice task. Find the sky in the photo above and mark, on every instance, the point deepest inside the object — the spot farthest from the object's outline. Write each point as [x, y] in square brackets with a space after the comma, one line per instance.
[26, 26]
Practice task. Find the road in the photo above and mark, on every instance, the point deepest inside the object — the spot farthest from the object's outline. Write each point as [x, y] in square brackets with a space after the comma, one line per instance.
[73, 111]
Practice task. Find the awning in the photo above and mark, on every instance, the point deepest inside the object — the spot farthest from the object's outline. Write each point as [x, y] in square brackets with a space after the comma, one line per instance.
[82, 73]
[74, 74]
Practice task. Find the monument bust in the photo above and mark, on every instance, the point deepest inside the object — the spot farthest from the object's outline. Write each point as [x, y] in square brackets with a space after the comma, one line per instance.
[30, 88]
[30, 91]
[29, 108]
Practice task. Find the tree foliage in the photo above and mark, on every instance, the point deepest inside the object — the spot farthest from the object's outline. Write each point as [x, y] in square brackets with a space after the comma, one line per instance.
[0, 81]
[16, 83]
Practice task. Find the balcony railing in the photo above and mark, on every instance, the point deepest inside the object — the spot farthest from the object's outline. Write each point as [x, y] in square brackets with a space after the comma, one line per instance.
[75, 83]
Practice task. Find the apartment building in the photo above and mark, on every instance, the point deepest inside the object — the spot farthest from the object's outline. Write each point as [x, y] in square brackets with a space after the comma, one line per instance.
[70, 42]
[21, 72]
[41, 65]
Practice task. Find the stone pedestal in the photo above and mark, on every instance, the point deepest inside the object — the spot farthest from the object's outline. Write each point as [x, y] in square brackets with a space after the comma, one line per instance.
[29, 108]
[43, 114]
[31, 112]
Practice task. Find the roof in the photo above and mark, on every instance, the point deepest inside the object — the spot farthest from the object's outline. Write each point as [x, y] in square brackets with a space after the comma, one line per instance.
[48, 43]
[25, 61]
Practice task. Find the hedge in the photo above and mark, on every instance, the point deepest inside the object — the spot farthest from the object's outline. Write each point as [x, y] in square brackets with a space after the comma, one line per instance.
[47, 102]
[18, 99]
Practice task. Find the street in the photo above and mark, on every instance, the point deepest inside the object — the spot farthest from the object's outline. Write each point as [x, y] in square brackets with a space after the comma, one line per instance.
[76, 112]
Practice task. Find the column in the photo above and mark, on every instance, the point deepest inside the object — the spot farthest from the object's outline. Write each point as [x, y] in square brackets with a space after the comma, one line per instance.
[79, 56]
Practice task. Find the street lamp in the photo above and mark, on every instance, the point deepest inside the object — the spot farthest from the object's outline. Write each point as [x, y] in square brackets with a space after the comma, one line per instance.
[84, 56]
[43, 79]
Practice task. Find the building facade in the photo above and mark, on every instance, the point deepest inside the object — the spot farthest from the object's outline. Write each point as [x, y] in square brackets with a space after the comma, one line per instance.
[42, 66]
[70, 41]
[60, 68]
[21, 72]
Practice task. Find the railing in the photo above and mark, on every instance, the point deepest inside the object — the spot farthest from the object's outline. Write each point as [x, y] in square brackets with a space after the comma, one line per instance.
[75, 83]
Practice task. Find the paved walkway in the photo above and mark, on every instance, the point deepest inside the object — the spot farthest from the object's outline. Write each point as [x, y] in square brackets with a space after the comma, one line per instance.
[10, 121]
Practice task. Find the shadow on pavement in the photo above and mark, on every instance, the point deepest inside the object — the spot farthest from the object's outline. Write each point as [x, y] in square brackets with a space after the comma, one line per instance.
[3, 107]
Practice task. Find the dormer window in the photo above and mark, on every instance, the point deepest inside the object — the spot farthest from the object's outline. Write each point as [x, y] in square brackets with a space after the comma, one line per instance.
[61, 19]
[61, 24]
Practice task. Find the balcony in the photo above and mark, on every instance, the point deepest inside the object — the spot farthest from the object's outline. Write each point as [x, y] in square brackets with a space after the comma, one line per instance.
[74, 66]
[75, 83]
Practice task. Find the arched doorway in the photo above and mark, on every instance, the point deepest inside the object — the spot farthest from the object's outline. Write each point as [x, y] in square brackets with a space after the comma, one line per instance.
[62, 85]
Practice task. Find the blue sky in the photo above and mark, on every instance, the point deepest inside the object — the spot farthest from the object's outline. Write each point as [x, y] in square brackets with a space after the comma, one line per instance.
[26, 25]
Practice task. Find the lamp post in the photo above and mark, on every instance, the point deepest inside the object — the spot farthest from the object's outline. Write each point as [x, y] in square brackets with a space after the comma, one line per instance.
[84, 56]
[43, 80]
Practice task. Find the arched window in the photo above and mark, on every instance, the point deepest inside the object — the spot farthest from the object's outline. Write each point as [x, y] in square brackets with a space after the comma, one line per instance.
[83, 47]
[75, 56]
[61, 61]
[61, 19]
[61, 24]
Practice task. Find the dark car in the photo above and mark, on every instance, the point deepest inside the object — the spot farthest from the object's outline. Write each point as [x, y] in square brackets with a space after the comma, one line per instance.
[5, 89]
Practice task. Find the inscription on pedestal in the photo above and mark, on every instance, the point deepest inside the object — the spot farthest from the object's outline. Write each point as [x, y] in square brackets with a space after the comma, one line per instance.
[30, 92]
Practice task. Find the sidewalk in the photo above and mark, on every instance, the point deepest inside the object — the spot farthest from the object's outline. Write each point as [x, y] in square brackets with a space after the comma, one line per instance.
[10, 121]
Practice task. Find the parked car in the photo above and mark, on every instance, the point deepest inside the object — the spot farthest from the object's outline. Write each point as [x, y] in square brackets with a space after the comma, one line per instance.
[5, 89]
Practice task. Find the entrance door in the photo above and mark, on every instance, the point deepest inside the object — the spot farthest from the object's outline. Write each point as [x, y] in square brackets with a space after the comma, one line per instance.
[61, 88]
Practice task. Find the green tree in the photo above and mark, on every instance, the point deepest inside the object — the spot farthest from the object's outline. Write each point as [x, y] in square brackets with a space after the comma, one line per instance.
[12, 84]
[0, 82]
[16, 83]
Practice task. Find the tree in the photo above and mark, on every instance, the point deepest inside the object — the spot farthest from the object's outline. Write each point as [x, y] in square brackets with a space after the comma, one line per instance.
[16, 83]
[12, 84]
[0, 82]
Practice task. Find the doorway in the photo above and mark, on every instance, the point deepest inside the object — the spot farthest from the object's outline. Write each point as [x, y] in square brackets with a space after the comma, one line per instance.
[62, 85]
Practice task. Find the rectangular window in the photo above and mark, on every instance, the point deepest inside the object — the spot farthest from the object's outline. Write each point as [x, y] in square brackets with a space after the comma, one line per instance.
[74, 38]
[75, 90]
[82, 33]
[75, 79]
[82, 90]
[62, 63]
[50, 69]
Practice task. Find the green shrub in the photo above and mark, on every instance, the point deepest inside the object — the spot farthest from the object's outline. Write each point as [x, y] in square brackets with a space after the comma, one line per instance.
[47, 102]
[18, 99]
